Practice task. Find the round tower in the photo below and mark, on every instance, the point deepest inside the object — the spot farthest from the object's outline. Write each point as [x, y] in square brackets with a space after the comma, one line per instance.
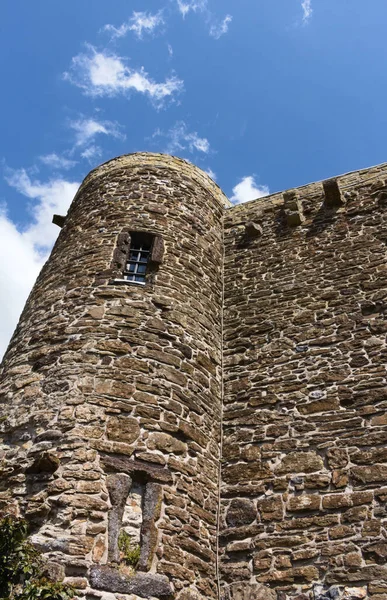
[111, 386]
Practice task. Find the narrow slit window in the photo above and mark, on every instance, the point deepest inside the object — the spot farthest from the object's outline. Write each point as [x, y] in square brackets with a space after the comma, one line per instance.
[138, 258]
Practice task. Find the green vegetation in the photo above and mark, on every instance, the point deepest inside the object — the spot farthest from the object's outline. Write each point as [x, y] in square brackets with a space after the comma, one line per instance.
[131, 552]
[21, 567]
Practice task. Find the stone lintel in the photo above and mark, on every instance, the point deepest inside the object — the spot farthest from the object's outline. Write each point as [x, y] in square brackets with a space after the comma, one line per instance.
[144, 471]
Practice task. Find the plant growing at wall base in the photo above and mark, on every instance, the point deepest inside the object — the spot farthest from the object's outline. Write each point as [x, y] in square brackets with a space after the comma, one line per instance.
[21, 567]
[130, 551]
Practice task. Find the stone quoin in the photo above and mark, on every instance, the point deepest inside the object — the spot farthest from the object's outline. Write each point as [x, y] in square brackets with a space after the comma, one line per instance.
[194, 401]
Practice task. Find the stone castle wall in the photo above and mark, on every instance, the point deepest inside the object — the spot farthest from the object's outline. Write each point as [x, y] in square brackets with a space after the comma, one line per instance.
[123, 404]
[112, 391]
[304, 471]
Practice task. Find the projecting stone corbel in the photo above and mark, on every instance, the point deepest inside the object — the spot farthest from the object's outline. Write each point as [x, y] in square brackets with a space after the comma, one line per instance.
[253, 230]
[293, 209]
[59, 220]
[332, 193]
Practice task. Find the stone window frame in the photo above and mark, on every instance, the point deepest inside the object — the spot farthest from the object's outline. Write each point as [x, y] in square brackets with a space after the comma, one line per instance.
[121, 472]
[122, 252]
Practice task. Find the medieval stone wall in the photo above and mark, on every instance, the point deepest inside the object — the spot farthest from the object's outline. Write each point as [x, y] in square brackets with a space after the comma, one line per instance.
[111, 392]
[304, 469]
[116, 398]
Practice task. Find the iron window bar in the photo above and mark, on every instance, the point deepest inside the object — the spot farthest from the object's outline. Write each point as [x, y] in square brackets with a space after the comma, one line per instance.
[137, 261]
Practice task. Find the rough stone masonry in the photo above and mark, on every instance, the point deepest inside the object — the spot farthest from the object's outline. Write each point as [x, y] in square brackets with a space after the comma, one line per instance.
[225, 421]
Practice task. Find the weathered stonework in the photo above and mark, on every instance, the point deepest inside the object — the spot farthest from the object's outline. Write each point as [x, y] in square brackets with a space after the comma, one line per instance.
[107, 384]
[304, 427]
[229, 416]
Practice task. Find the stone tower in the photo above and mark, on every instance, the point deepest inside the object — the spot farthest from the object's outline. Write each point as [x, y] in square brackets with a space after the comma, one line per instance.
[112, 384]
[195, 396]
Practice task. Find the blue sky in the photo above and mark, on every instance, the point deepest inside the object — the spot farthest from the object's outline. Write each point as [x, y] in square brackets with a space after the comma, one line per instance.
[263, 94]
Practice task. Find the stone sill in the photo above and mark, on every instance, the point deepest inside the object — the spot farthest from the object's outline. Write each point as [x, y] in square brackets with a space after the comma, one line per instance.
[126, 282]
[144, 585]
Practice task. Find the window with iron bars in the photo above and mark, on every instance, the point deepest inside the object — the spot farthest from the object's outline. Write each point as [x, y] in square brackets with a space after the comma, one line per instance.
[138, 258]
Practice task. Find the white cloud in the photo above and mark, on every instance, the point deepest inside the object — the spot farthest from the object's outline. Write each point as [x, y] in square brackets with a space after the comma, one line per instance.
[55, 161]
[219, 29]
[17, 276]
[185, 6]
[247, 189]
[51, 197]
[216, 28]
[92, 153]
[87, 129]
[105, 74]
[307, 10]
[139, 23]
[27, 248]
[211, 174]
[179, 139]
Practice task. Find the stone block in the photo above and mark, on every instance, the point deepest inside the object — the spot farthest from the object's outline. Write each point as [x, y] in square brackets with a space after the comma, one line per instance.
[149, 533]
[118, 486]
[243, 472]
[248, 591]
[144, 585]
[304, 502]
[300, 462]
[332, 194]
[271, 508]
[240, 512]
[157, 251]
[253, 229]
[122, 429]
[354, 593]
[293, 209]
[166, 443]
[59, 220]
[337, 458]
[337, 501]
[370, 474]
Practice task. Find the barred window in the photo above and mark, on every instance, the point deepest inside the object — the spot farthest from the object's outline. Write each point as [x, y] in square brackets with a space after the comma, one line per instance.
[138, 257]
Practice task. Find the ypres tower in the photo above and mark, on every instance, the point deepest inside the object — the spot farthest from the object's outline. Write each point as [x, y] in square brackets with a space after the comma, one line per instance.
[194, 401]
